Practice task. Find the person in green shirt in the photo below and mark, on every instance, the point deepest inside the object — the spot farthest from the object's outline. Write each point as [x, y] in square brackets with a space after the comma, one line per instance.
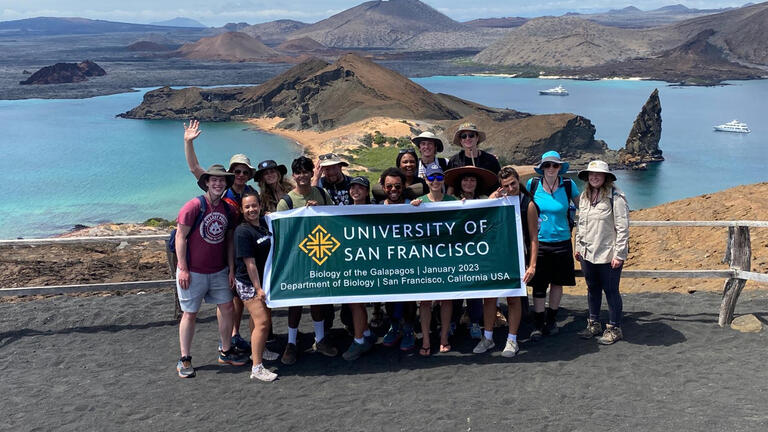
[434, 176]
[305, 195]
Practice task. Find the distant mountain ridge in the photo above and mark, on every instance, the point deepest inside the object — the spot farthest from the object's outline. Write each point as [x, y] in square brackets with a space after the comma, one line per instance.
[60, 26]
[180, 22]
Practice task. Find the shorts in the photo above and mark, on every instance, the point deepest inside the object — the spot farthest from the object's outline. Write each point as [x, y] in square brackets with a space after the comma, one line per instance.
[211, 287]
[245, 291]
[554, 265]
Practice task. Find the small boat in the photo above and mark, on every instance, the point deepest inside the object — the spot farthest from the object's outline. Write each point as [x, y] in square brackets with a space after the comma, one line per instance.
[733, 126]
[556, 91]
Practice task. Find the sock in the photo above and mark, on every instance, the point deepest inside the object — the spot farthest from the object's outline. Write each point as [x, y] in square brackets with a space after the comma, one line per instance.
[319, 330]
[359, 341]
[292, 333]
[256, 367]
[488, 334]
[512, 337]
[367, 333]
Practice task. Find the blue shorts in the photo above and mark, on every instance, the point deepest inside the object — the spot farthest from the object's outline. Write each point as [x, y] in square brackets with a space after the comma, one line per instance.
[211, 287]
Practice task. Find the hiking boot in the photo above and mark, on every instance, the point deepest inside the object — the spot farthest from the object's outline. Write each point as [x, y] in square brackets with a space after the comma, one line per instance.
[324, 347]
[232, 358]
[184, 367]
[262, 374]
[610, 335]
[409, 339]
[484, 345]
[356, 350]
[475, 332]
[536, 335]
[510, 349]
[593, 329]
[538, 326]
[393, 335]
[289, 355]
[269, 355]
[550, 328]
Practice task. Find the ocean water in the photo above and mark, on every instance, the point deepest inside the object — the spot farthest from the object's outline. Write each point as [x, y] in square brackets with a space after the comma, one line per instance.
[67, 162]
[698, 160]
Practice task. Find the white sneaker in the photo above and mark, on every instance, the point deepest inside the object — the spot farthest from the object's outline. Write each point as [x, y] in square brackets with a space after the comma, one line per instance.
[269, 355]
[484, 345]
[262, 374]
[510, 349]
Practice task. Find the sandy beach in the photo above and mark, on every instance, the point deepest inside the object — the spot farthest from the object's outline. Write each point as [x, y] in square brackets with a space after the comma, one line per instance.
[107, 363]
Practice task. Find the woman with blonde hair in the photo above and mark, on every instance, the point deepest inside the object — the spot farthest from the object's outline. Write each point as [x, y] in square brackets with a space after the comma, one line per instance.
[272, 184]
[602, 245]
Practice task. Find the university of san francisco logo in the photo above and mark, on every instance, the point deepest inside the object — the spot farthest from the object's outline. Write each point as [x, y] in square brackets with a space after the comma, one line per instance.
[319, 245]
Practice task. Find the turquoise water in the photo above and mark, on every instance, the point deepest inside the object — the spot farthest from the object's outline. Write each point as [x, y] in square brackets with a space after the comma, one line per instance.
[67, 162]
[698, 160]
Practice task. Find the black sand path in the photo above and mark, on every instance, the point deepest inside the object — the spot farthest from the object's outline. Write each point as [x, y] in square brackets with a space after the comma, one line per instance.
[107, 363]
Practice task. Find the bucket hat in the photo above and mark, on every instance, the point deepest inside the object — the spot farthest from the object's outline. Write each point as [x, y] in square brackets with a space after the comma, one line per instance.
[215, 170]
[552, 156]
[485, 178]
[469, 127]
[268, 164]
[597, 166]
[240, 159]
[331, 159]
[429, 136]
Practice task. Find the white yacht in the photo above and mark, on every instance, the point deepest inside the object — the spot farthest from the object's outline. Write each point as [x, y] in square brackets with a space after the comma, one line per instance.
[733, 126]
[557, 91]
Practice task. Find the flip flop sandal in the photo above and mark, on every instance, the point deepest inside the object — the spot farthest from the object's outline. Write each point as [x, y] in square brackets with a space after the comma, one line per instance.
[425, 352]
[445, 348]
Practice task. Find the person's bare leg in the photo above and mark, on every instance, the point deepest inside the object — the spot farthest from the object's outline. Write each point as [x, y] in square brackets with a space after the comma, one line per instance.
[514, 314]
[259, 318]
[425, 314]
[224, 314]
[359, 319]
[489, 313]
[446, 310]
[186, 331]
[555, 295]
[237, 315]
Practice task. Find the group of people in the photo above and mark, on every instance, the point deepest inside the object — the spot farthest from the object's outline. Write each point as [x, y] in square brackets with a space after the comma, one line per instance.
[222, 244]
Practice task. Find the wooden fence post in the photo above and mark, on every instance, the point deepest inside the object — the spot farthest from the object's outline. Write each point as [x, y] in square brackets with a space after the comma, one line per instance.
[172, 263]
[738, 254]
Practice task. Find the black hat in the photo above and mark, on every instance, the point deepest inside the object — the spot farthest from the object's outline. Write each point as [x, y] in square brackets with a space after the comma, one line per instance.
[268, 164]
[362, 181]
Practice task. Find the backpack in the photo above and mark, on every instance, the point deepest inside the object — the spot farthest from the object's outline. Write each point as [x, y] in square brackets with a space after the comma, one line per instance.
[171, 242]
[568, 185]
[289, 200]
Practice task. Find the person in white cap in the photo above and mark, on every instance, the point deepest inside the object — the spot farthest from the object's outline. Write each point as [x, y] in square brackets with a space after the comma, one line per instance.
[429, 146]
[328, 175]
[602, 245]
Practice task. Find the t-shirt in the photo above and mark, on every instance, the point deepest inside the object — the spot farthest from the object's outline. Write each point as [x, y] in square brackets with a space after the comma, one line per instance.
[483, 160]
[339, 192]
[446, 197]
[206, 244]
[251, 242]
[299, 200]
[553, 211]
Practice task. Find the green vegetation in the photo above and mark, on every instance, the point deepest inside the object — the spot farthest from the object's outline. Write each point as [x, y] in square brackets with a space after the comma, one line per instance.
[157, 222]
[379, 158]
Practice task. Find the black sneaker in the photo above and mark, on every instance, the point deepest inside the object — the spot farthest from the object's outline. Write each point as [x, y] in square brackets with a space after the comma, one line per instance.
[232, 358]
[289, 355]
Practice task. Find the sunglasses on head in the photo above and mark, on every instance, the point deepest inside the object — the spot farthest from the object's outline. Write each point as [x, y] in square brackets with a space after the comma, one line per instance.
[407, 150]
[468, 135]
[438, 177]
[395, 186]
[241, 171]
[328, 156]
[550, 165]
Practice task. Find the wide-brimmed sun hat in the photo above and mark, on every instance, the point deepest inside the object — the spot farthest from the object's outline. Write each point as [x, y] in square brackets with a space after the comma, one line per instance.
[329, 159]
[266, 165]
[239, 159]
[218, 171]
[467, 127]
[552, 156]
[597, 166]
[485, 178]
[428, 136]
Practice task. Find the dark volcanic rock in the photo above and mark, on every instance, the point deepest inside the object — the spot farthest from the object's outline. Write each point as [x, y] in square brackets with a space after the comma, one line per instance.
[65, 73]
[643, 141]
[147, 46]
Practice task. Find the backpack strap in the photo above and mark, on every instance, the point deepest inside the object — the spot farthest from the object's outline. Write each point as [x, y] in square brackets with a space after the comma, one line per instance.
[535, 185]
[323, 193]
[200, 214]
[288, 200]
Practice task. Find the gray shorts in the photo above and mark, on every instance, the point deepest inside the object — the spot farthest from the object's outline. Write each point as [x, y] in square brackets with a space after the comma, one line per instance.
[212, 287]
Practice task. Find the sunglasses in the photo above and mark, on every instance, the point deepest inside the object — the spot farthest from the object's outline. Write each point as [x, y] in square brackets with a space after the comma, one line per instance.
[435, 177]
[468, 135]
[546, 165]
[396, 186]
[408, 150]
[328, 156]
[241, 171]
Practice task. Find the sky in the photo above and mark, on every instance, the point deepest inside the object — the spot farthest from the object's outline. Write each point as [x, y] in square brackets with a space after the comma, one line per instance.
[215, 14]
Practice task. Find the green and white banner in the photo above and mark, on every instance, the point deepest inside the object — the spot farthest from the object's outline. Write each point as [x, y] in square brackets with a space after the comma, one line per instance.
[383, 253]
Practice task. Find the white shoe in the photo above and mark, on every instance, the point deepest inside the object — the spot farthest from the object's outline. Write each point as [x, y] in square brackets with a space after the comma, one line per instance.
[269, 355]
[262, 374]
[484, 345]
[510, 349]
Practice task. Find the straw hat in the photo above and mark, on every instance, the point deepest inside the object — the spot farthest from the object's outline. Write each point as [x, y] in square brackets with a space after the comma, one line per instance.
[240, 159]
[218, 171]
[468, 127]
[597, 166]
[429, 136]
[331, 159]
[552, 156]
